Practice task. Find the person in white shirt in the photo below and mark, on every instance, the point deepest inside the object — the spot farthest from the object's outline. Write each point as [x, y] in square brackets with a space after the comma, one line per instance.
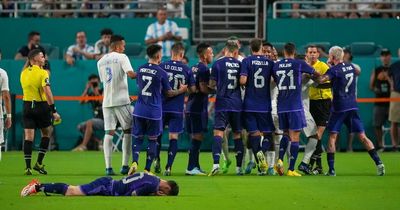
[163, 32]
[114, 67]
[5, 92]
[102, 46]
[79, 51]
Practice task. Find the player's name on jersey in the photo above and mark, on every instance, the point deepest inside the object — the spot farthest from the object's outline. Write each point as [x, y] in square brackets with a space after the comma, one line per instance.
[285, 65]
[150, 71]
[231, 71]
[173, 68]
[232, 65]
[259, 63]
[347, 68]
[108, 62]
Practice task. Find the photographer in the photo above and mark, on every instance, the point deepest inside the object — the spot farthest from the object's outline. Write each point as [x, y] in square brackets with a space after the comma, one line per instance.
[88, 127]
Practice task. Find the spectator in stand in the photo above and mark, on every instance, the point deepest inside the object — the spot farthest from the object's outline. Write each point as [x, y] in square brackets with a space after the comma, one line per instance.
[364, 7]
[33, 43]
[79, 51]
[337, 8]
[102, 46]
[309, 6]
[379, 83]
[163, 32]
[176, 5]
[394, 109]
[6, 5]
[87, 128]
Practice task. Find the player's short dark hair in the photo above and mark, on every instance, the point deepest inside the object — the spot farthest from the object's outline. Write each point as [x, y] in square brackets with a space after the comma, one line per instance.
[347, 51]
[93, 76]
[174, 188]
[265, 43]
[152, 50]
[311, 46]
[301, 57]
[255, 44]
[106, 31]
[231, 45]
[33, 53]
[184, 57]
[289, 48]
[116, 38]
[32, 34]
[177, 48]
[202, 48]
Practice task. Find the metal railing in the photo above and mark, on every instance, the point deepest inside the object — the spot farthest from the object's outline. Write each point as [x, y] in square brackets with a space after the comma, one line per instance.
[394, 7]
[80, 7]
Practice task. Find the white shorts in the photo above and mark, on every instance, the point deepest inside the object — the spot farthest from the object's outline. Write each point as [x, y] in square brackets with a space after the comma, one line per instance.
[121, 114]
[1, 130]
[311, 128]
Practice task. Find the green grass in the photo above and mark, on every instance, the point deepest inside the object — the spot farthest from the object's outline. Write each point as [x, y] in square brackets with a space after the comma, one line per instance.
[355, 187]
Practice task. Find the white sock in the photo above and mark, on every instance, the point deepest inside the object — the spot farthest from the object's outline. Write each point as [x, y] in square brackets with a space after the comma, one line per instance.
[270, 158]
[126, 149]
[277, 141]
[251, 155]
[0, 153]
[309, 150]
[288, 151]
[215, 166]
[107, 147]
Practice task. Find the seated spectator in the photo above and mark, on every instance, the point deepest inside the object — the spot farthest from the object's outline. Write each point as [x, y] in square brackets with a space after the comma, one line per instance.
[163, 32]
[309, 6]
[33, 43]
[176, 5]
[364, 7]
[79, 51]
[102, 46]
[337, 8]
[6, 5]
[96, 123]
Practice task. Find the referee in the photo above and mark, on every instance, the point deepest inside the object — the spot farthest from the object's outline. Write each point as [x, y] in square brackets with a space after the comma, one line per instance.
[38, 108]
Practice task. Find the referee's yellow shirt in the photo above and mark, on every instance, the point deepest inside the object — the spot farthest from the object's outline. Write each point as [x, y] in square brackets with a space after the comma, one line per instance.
[33, 79]
[316, 93]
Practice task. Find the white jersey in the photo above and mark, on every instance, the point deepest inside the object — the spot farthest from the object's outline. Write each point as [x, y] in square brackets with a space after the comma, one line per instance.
[4, 87]
[113, 68]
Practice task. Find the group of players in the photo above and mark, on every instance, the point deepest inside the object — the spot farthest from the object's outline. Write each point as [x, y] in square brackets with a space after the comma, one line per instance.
[262, 100]
[261, 94]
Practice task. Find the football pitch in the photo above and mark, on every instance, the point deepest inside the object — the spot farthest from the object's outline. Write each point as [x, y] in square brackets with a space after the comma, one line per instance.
[355, 187]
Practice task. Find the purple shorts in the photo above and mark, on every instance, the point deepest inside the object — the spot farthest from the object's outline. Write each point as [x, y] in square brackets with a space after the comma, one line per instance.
[196, 122]
[350, 118]
[295, 120]
[144, 126]
[174, 121]
[259, 121]
[100, 186]
[222, 119]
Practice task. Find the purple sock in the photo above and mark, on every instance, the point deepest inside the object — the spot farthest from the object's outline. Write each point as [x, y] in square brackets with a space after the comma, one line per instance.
[374, 155]
[57, 188]
[331, 161]
[194, 154]
[266, 143]
[136, 146]
[173, 148]
[239, 149]
[216, 149]
[255, 144]
[283, 146]
[294, 150]
[151, 153]
[159, 140]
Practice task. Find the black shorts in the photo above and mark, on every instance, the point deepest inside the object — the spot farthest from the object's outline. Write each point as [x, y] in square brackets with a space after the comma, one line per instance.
[320, 110]
[36, 115]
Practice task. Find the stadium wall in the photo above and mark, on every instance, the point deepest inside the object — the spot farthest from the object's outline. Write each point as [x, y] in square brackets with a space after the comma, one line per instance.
[62, 32]
[336, 31]
[70, 81]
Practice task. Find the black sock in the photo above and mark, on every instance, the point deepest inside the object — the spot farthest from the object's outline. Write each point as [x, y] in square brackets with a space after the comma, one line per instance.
[44, 145]
[318, 152]
[28, 153]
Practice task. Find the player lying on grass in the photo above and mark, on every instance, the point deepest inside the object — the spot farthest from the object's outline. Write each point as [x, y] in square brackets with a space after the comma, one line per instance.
[138, 184]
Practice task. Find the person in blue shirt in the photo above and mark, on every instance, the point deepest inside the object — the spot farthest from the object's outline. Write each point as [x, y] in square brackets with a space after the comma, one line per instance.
[196, 108]
[224, 79]
[255, 75]
[344, 109]
[172, 107]
[152, 83]
[287, 74]
[138, 184]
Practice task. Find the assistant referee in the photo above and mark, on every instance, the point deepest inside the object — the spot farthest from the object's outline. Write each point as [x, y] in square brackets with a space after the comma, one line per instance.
[38, 108]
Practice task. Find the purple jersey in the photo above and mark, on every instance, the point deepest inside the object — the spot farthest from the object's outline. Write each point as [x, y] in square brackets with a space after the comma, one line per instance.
[258, 70]
[343, 79]
[226, 72]
[138, 184]
[198, 102]
[287, 75]
[178, 73]
[152, 81]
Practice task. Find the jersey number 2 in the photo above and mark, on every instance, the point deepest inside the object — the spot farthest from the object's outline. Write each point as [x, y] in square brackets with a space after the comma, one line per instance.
[148, 81]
